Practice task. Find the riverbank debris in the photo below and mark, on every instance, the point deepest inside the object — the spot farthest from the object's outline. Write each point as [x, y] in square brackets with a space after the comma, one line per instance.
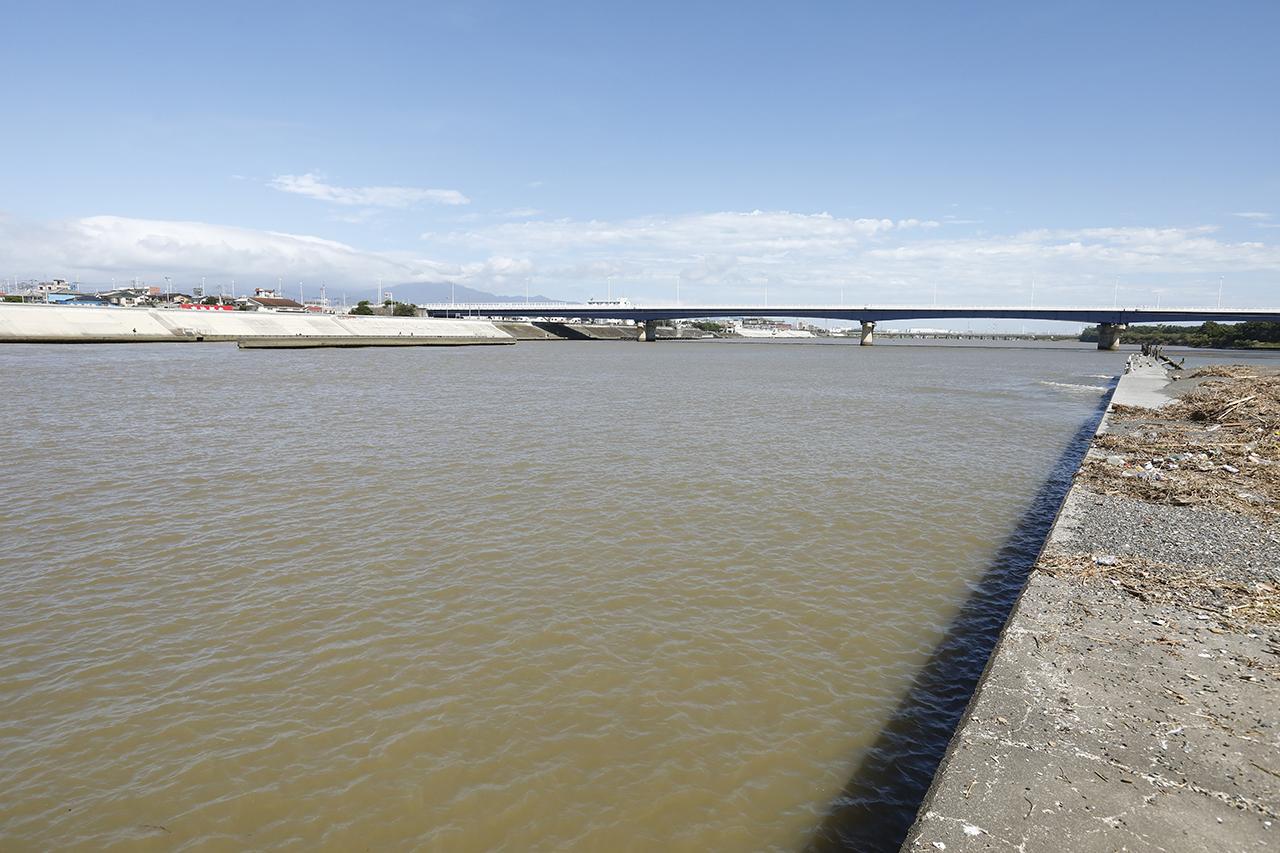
[1217, 445]
[1234, 603]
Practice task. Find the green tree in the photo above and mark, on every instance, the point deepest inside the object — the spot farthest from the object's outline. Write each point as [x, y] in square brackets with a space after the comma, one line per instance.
[362, 307]
[1248, 335]
[403, 309]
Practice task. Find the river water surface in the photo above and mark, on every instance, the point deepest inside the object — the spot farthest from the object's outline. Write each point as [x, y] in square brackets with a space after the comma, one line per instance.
[591, 596]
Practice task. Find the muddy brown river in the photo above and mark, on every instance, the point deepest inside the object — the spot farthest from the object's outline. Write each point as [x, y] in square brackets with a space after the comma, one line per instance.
[555, 596]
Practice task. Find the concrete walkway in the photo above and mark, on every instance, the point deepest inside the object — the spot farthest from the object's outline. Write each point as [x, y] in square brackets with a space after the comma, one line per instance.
[1145, 383]
[1125, 707]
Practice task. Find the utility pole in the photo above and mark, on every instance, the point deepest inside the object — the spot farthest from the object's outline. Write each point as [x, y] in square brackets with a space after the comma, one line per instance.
[1220, 291]
[1115, 294]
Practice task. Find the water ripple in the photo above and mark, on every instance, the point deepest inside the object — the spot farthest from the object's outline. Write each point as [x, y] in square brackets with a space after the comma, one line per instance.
[571, 596]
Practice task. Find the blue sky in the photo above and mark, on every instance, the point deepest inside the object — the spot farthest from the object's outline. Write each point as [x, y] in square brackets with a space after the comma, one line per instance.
[815, 148]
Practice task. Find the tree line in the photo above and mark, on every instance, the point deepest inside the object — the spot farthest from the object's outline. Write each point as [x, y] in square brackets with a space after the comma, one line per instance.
[1253, 334]
[398, 309]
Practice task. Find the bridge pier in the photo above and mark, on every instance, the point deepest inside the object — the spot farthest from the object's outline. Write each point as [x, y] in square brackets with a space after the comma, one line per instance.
[868, 333]
[1109, 335]
[650, 333]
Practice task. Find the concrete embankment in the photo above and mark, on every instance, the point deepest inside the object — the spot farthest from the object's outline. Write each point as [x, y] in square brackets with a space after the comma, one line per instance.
[552, 331]
[1133, 700]
[527, 332]
[69, 324]
[354, 341]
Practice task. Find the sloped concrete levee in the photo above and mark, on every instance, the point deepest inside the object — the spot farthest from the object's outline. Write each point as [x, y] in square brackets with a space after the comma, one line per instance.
[1123, 714]
[355, 341]
[526, 331]
[550, 331]
[21, 323]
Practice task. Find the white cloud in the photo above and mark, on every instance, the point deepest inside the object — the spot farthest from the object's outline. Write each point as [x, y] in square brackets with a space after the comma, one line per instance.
[756, 233]
[98, 248]
[312, 185]
[811, 256]
[717, 257]
[1252, 214]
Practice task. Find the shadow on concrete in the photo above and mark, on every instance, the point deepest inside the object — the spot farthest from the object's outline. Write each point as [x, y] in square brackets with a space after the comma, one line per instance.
[878, 805]
[562, 330]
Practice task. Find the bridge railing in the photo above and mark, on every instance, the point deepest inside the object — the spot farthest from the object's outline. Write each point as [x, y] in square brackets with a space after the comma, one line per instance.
[840, 306]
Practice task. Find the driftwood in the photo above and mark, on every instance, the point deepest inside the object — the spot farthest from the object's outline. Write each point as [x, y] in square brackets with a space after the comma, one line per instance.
[1218, 445]
[1232, 602]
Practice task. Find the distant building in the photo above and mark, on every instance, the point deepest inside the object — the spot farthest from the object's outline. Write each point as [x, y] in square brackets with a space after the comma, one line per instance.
[267, 300]
[764, 323]
[57, 290]
[174, 298]
[130, 296]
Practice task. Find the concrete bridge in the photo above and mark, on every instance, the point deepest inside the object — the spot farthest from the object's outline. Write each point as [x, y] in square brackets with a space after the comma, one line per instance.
[1110, 321]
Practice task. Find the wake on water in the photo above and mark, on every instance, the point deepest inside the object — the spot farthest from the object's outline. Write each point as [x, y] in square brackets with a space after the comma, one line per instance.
[1092, 389]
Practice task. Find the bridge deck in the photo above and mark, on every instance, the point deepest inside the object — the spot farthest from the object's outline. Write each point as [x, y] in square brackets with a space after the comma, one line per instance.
[855, 313]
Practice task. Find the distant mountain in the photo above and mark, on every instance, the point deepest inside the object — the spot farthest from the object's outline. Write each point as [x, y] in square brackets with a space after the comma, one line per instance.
[420, 292]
